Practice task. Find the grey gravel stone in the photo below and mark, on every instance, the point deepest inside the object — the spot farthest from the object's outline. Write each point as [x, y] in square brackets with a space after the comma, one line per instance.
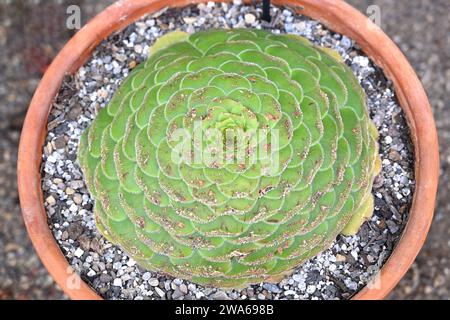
[59, 142]
[183, 288]
[105, 278]
[220, 295]
[75, 230]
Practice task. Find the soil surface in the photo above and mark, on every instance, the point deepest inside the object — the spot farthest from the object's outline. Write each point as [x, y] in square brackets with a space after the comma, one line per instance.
[28, 42]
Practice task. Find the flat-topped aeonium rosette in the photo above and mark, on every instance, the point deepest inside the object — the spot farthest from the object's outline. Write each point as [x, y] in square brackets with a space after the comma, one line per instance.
[231, 156]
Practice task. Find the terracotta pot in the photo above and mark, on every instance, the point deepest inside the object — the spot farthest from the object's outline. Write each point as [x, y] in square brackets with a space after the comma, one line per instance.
[335, 14]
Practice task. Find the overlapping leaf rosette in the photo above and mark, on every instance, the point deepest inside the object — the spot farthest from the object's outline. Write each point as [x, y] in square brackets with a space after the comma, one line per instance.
[231, 223]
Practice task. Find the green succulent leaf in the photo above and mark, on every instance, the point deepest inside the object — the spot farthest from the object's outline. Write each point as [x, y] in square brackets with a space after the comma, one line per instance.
[195, 205]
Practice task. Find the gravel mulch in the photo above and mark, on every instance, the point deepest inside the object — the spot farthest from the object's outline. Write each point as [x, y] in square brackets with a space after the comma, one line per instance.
[337, 273]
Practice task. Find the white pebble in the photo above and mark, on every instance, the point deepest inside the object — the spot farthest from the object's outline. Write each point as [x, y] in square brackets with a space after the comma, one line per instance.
[50, 201]
[311, 289]
[298, 277]
[249, 18]
[189, 20]
[199, 294]
[184, 288]
[117, 282]
[79, 252]
[146, 276]
[362, 61]
[192, 287]
[153, 282]
[131, 263]
[160, 292]
[138, 49]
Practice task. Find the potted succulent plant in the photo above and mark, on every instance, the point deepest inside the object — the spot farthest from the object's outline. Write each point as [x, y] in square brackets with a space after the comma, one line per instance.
[232, 225]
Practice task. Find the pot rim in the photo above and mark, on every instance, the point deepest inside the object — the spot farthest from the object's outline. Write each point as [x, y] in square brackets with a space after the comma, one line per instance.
[332, 13]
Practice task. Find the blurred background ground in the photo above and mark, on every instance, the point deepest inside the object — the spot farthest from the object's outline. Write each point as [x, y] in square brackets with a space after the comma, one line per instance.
[32, 32]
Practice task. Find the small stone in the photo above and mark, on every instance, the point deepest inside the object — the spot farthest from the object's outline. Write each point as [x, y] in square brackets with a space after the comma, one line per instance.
[138, 49]
[261, 296]
[100, 265]
[77, 198]
[91, 273]
[249, 18]
[394, 155]
[131, 263]
[50, 201]
[126, 277]
[406, 192]
[392, 226]
[362, 61]
[121, 57]
[388, 140]
[177, 294]
[189, 20]
[298, 278]
[103, 93]
[105, 278]
[95, 245]
[183, 288]
[70, 191]
[346, 42]
[76, 184]
[59, 142]
[160, 292]
[287, 13]
[192, 287]
[220, 295]
[153, 282]
[75, 230]
[340, 258]
[300, 26]
[117, 282]
[199, 295]
[311, 289]
[74, 112]
[64, 236]
[352, 285]
[85, 242]
[78, 253]
[271, 288]
[146, 276]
